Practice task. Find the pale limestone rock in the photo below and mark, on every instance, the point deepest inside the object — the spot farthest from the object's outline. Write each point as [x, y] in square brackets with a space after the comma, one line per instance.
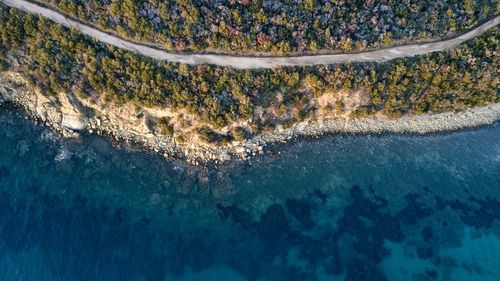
[240, 150]
[73, 122]
[73, 117]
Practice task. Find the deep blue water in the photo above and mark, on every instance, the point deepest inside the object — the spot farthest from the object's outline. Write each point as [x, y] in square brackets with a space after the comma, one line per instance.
[337, 208]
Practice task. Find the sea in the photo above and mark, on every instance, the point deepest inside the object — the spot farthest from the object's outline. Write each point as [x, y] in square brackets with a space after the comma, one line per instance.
[340, 207]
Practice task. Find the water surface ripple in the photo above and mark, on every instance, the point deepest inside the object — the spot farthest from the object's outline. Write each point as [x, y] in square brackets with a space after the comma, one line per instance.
[338, 208]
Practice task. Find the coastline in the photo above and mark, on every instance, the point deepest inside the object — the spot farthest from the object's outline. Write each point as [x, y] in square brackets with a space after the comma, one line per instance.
[70, 116]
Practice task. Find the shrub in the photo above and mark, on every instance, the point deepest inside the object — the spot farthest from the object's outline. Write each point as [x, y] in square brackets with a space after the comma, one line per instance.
[240, 133]
[165, 127]
[210, 136]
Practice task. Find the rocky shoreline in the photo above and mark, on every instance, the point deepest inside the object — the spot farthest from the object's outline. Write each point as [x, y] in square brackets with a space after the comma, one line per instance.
[70, 116]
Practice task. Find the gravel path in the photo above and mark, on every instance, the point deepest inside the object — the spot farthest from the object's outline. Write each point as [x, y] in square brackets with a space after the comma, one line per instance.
[245, 62]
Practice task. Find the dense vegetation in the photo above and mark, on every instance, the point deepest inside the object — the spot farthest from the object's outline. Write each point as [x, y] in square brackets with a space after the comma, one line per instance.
[56, 59]
[279, 26]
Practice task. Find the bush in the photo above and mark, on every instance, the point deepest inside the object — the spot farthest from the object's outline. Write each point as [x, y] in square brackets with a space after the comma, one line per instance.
[270, 25]
[60, 60]
[210, 136]
[240, 133]
[165, 127]
[3, 65]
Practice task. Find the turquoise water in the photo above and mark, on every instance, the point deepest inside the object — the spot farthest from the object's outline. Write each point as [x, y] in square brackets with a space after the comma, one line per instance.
[337, 208]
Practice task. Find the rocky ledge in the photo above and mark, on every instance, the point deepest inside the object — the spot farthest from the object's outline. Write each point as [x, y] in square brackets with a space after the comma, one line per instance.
[70, 116]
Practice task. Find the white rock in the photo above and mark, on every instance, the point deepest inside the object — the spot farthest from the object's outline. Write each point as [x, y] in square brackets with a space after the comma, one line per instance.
[74, 122]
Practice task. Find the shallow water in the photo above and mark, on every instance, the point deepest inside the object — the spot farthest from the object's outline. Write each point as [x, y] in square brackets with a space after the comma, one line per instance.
[338, 208]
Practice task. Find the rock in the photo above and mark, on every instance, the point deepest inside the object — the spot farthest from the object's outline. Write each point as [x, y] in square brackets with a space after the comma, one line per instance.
[23, 148]
[6, 94]
[154, 199]
[41, 112]
[74, 122]
[73, 113]
[166, 184]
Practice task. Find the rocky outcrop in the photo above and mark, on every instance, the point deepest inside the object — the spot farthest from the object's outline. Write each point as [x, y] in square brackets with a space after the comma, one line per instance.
[60, 112]
[70, 115]
[73, 114]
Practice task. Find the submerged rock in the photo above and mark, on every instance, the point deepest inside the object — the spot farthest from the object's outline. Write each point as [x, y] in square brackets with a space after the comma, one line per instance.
[23, 148]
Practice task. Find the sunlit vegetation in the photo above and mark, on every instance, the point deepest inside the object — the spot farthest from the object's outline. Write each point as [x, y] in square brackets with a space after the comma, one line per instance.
[165, 127]
[279, 27]
[56, 59]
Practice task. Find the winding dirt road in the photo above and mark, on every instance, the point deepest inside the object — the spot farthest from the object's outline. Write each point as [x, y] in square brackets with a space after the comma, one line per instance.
[243, 62]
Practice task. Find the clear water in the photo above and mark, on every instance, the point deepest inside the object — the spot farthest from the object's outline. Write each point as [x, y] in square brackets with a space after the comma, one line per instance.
[338, 208]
